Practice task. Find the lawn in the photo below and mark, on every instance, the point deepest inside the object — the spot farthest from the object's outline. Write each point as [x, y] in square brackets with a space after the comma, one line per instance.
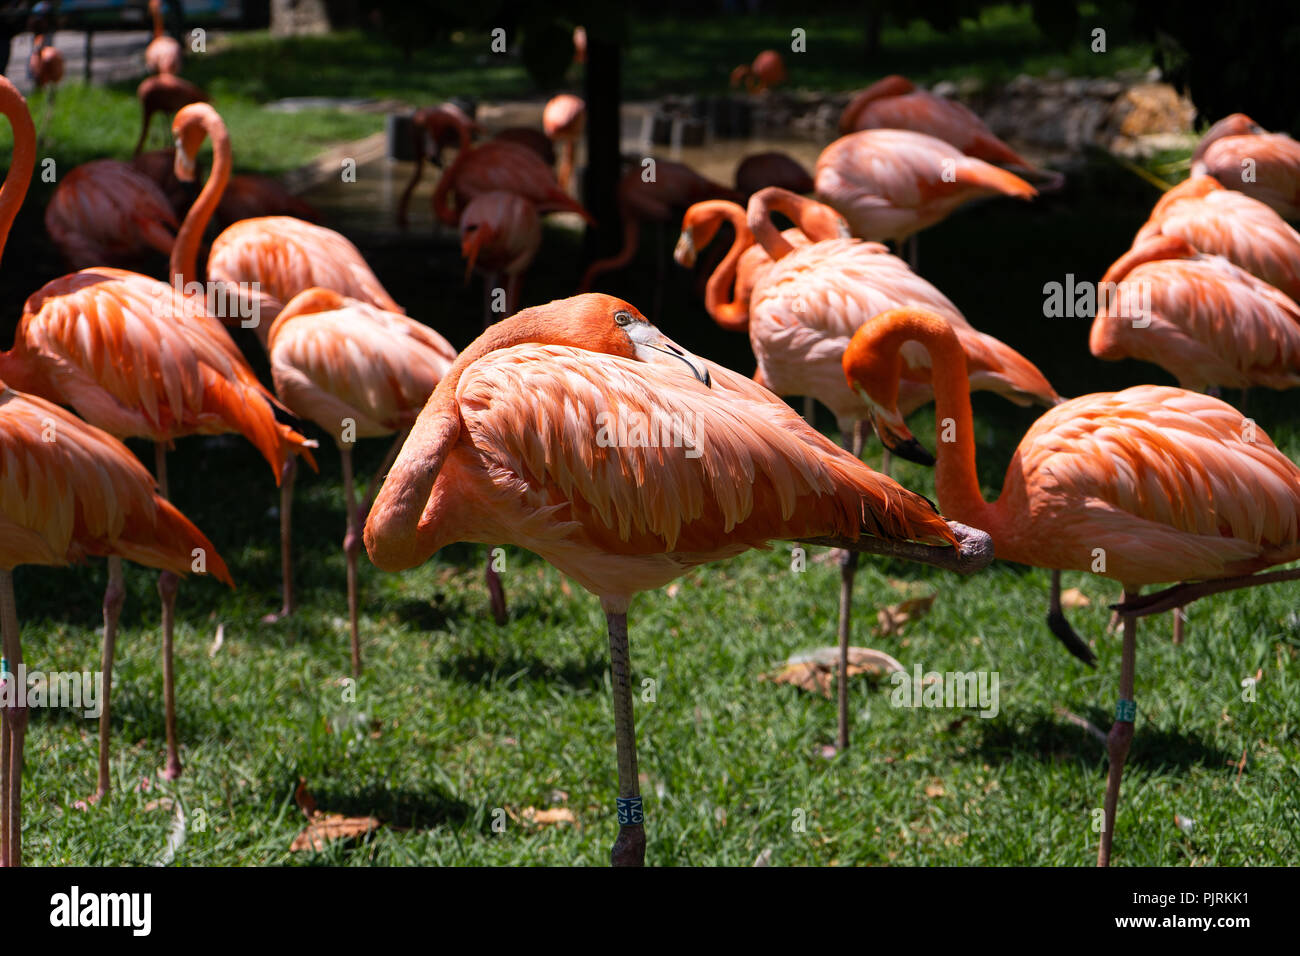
[457, 727]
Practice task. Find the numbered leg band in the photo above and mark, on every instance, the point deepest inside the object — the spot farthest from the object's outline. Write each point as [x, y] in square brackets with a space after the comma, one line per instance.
[1126, 711]
[630, 811]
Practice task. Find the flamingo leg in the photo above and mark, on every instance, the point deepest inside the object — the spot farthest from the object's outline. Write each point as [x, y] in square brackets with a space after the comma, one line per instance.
[1121, 734]
[914, 253]
[15, 730]
[167, 587]
[848, 571]
[351, 546]
[1179, 618]
[496, 593]
[288, 475]
[629, 847]
[1060, 627]
[114, 595]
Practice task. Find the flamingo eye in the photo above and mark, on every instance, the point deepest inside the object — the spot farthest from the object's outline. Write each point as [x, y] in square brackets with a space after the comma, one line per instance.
[623, 318]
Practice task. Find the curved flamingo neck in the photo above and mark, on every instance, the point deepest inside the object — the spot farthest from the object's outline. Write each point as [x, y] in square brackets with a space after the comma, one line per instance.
[956, 480]
[185, 253]
[800, 210]
[14, 190]
[155, 9]
[729, 314]
[631, 242]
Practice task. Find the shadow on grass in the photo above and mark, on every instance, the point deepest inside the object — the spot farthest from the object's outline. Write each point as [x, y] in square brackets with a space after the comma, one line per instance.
[399, 808]
[1049, 739]
[476, 667]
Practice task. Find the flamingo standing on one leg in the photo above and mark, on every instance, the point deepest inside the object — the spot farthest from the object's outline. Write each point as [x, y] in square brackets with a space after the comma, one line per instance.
[164, 93]
[767, 71]
[1231, 224]
[670, 186]
[1204, 320]
[107, 212]
[61, 501]
[1162, 480]
[163, 54]
[564, 119]
[261, 263]
[499, 234]
[357, 372]
[137, 358]
[802, 316]
[509, 448]
[1241, 155]
[892, 183]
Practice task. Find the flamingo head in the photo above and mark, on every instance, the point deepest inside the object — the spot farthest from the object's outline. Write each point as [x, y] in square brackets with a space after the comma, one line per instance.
[189, 129]
[700, 224]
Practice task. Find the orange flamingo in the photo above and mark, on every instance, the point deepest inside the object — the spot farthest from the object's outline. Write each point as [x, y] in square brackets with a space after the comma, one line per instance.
[357, 372]
[767, 71]
[1162, 483]
[652, 193]
[509, 448]
[895, 103]
[61, 501]
[500, 234]
[105, 211]
[892, 183]
[1243, 156]
[1227, 223]
[163, 54]
[759, 170]
[564, 119]
[137, 358]
[164, 93]
[1201, 318]
[260, 264]
[805, 310]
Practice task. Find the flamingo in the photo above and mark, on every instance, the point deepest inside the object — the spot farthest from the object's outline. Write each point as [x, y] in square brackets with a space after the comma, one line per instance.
[163, 54]
[60, 502]
[164, 93]
[45, 68]
[1201, 318]
[497, 165]
[767, 71]
[499, 234]
[805, 310]
[136, 358]
[564, 119]
[892, 183]
[1162, 482]
[671, 186]
[894, 102]
[435, 128]
[357, 372]
[264, 262]
[758, 170]
[509, 447]
[1241, 155]
[106, 211]
[1231, 224]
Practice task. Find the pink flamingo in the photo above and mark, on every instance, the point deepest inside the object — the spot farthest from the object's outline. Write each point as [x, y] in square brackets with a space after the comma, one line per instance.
[1231, 224]
[564, 119]
[1162, 480]
[500, 234]
[1204, 320]
[767, 71]
[357, 372]
[164, 93]
[508, 449]
[163, 54]
[105, 211]
[1243, 156]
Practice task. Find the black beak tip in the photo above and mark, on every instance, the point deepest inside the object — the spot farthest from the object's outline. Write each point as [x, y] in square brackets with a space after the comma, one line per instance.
[913, 451]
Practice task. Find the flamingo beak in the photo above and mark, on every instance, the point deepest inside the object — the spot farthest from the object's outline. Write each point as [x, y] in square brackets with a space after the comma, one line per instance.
[684, 252]
[894, 433]
[183, 166]
[655, 348]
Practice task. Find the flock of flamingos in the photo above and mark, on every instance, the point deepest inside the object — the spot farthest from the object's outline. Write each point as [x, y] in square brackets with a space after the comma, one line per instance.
[498, 444]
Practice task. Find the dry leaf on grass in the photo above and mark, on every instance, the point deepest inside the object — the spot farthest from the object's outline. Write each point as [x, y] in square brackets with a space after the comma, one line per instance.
[552, 817]
[1073, 597]
[324, 828]
[890, 620]
[934, 790]
[327, 827]
[815, 671]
